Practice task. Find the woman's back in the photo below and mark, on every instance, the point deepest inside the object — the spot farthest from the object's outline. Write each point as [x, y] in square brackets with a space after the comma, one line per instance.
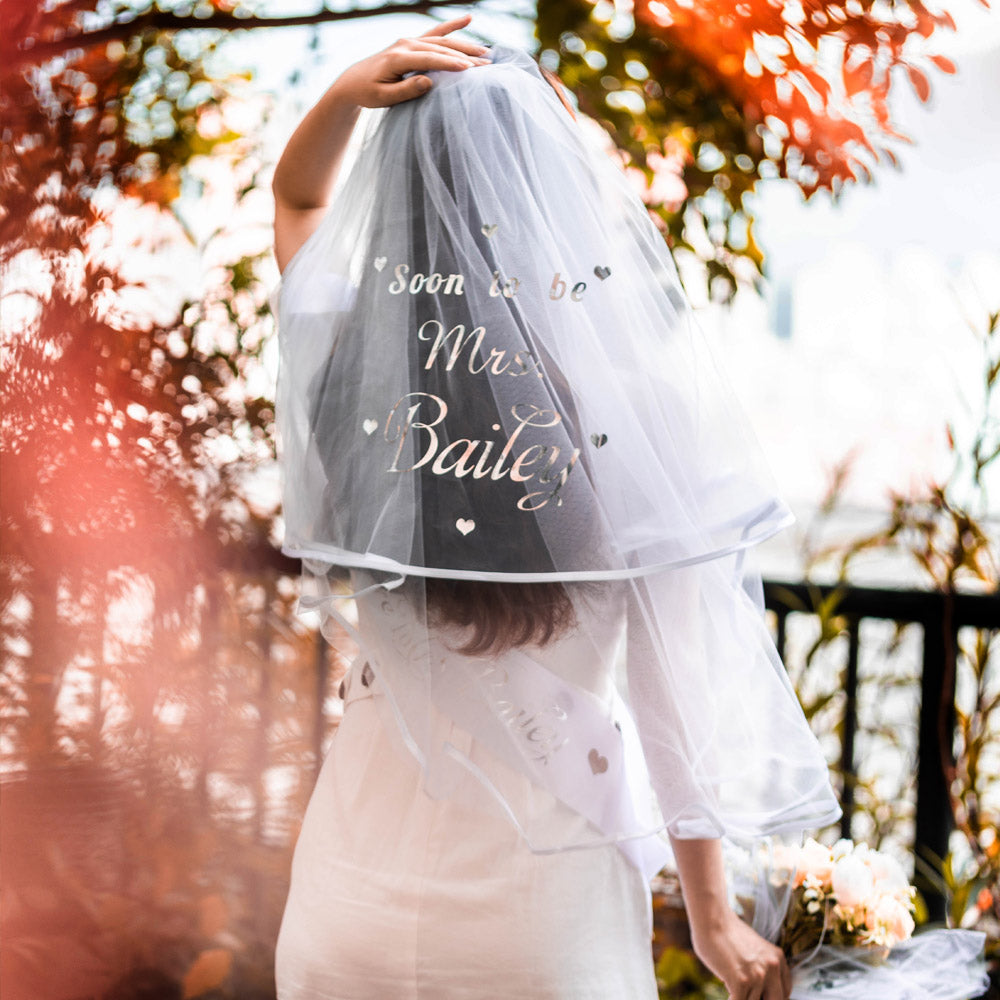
[397, 894]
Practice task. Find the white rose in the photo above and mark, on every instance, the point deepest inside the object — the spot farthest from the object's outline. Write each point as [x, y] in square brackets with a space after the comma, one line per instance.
[842, 848]
[889, 875]
[852, 881]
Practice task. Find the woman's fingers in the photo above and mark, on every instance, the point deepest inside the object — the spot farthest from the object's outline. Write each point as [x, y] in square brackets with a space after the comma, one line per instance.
[445, 26]
[774, 991]
[451, 46]
[378, 80]
[459, 45]
[778, 983]
[786, 981]
[415, 45]
[435, 36]
[404, 90]
[472, 48]
[769, 980]
[420, 61]
[417, 56]
[394, 89]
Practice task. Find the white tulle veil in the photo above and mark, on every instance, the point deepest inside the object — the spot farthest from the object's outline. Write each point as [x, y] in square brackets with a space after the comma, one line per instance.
[489, 372]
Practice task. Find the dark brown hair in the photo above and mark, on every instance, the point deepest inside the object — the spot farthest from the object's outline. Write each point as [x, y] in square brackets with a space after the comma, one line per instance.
[557, 85]
[500, 615]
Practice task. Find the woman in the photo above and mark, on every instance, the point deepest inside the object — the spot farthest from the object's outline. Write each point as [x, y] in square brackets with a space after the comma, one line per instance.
[497, 416]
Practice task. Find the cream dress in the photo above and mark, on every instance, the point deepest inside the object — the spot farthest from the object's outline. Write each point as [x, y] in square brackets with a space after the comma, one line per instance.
[398, 896]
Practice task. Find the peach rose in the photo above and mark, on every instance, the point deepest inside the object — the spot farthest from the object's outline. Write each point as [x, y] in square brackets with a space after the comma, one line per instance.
[895, 918]
[816, 860]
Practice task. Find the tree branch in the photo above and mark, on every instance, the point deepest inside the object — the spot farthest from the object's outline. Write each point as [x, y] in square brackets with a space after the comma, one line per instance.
[161, 20]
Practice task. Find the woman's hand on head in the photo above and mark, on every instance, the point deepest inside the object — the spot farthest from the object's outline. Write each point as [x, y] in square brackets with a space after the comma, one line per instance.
[307, 170]
[377, 81]
[750, 967]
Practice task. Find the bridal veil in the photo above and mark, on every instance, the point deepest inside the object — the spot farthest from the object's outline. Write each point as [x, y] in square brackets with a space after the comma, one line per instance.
[489, 372]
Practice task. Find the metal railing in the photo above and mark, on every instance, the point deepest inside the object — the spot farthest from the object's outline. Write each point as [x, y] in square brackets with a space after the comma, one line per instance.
[940, 617]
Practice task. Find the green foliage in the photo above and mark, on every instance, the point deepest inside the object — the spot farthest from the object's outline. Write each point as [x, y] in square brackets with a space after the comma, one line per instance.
[680, 976]
[677, 113]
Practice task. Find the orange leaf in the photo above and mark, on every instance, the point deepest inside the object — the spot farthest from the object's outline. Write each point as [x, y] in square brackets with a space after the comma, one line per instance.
[856, 80]
[944, 64]
[925, 22]
[920, 82]
[207, 972]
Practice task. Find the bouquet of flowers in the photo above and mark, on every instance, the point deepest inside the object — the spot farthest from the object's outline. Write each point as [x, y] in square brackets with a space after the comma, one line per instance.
[847, 895]
[848, 931]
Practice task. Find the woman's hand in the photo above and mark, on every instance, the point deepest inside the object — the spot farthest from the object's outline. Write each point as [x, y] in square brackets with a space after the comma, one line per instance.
[750, 967]
[377, 81]
[307, 170]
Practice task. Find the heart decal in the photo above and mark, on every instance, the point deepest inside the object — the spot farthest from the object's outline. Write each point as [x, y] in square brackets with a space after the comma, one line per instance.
[489, 228]
[598, 764]
[379, 263]
[370, 426]
[465, 525]
[601, 271]
[599, 440]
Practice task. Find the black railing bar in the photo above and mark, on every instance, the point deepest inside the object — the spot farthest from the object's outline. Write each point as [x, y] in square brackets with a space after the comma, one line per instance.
[969, 610]
[847, 766]
[782, 637]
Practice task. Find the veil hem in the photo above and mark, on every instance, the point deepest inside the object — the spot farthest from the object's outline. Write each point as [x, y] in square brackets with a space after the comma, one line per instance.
[331, 555]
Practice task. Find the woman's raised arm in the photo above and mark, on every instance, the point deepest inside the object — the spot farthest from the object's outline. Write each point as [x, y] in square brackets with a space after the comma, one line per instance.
[308, 168]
